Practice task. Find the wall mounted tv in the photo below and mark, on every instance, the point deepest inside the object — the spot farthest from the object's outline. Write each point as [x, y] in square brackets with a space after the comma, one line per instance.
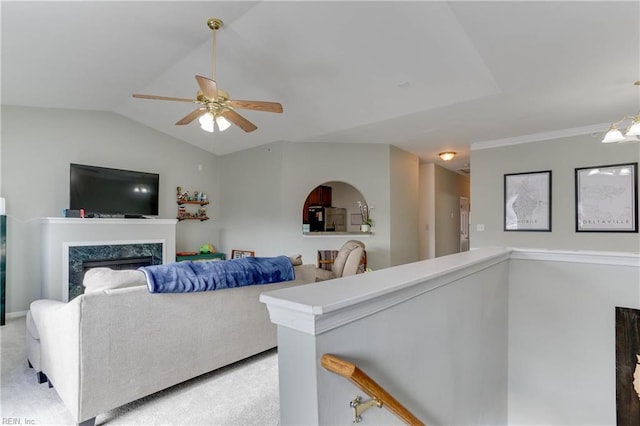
[105, 192]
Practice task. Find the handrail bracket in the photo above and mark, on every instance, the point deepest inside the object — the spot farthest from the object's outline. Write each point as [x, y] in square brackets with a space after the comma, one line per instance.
[360, 407]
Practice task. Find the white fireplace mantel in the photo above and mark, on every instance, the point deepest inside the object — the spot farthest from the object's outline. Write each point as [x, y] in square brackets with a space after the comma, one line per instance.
[59, 233]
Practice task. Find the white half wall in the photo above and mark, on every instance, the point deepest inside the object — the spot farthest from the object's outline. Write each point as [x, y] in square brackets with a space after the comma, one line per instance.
[490, 336]
[432, 333]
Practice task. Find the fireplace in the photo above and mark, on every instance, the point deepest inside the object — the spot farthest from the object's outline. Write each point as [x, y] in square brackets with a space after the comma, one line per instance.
[119, 263]
[114, 256]
[67, 242]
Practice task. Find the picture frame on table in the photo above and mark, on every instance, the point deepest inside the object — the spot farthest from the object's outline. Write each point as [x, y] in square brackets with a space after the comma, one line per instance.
[239, 254]
[606, 198]
[527, 201]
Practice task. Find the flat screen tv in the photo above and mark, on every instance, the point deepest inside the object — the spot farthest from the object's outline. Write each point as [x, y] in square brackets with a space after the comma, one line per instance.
[102, 191]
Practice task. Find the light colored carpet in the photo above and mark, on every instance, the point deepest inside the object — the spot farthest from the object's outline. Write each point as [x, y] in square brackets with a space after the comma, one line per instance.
[245, 393]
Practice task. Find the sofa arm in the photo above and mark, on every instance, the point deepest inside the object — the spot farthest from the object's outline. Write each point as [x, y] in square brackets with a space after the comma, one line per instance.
[305, 273]
[58, 325]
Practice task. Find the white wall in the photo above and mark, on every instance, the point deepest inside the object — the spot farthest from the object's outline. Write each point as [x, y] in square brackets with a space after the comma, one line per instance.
[561, 156]
[270, 184]
[35, 178]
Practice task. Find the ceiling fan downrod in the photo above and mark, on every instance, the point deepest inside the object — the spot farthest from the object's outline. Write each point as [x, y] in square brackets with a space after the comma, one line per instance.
[214, 24]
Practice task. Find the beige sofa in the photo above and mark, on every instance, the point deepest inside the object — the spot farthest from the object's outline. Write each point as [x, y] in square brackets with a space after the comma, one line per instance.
[109, 347]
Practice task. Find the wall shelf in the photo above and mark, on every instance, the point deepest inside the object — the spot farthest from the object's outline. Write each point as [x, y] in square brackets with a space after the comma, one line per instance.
[201, 215]
[202, 203]
[200, 218]
[336, 234]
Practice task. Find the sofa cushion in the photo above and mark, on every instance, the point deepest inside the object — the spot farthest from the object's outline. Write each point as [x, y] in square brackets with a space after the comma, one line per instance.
[99, 279]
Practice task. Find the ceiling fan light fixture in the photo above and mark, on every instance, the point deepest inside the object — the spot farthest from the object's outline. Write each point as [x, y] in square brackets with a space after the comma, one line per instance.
[206, 122]
[631, 134]
[223, 123]
[447, 156]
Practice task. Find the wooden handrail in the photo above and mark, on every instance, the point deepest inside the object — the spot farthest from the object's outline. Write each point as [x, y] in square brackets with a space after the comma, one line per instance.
[369, 386]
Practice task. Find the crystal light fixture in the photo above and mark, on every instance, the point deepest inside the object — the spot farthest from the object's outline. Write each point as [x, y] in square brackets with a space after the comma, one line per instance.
[631, 133]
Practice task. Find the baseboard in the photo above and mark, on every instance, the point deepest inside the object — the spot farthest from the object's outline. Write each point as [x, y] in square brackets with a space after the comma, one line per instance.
[16, 314]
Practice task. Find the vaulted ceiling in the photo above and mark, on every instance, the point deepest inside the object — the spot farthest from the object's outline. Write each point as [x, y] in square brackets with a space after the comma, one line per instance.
[425, 76]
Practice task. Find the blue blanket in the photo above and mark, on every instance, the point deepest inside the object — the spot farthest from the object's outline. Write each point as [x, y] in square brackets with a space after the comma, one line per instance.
[184, 277]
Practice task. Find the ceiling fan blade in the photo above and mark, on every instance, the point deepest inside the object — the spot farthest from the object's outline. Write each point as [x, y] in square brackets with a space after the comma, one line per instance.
[208, 87]
[239, 121]
[161, 98]
[257, 105]
[190, 117]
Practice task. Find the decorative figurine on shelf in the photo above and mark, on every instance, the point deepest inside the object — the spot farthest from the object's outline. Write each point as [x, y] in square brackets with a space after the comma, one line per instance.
[182, 212]
[202, 197]
[207, 248]
[182, 195]
[202, 212]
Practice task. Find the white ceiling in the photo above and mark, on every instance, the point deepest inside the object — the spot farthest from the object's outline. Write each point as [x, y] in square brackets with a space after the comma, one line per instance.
[422, 75]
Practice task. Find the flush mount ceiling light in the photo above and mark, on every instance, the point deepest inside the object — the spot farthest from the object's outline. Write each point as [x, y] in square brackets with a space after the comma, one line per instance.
[446, 156]
[631, 133]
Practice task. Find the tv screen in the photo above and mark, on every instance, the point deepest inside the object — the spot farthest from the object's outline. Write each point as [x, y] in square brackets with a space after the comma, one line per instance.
[104, 191]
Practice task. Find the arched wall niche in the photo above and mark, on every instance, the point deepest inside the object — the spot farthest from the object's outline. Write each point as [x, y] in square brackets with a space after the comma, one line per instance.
[344, 213]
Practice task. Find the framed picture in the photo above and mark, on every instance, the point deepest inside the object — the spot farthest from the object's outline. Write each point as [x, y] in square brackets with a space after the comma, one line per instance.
[239, 254]
[527, 201]
[356, 219]
[607, 198]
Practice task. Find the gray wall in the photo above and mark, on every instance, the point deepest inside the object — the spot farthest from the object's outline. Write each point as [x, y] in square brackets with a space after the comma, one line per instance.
[562, 340]
[561, 156]
[529, 340]
[439, 210]
[268, 185]
[404, 181]
[449, 187]
[37, 147]
[257, 195]
[441, 353]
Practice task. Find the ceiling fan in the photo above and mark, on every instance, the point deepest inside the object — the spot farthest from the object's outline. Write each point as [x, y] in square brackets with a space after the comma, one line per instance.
[216, 109]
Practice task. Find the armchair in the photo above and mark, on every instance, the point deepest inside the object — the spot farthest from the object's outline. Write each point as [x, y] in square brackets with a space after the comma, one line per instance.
[349, 260]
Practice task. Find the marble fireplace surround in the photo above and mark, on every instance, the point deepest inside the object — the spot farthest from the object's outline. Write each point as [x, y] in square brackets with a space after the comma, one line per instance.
[60, 234]
[118, 252]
